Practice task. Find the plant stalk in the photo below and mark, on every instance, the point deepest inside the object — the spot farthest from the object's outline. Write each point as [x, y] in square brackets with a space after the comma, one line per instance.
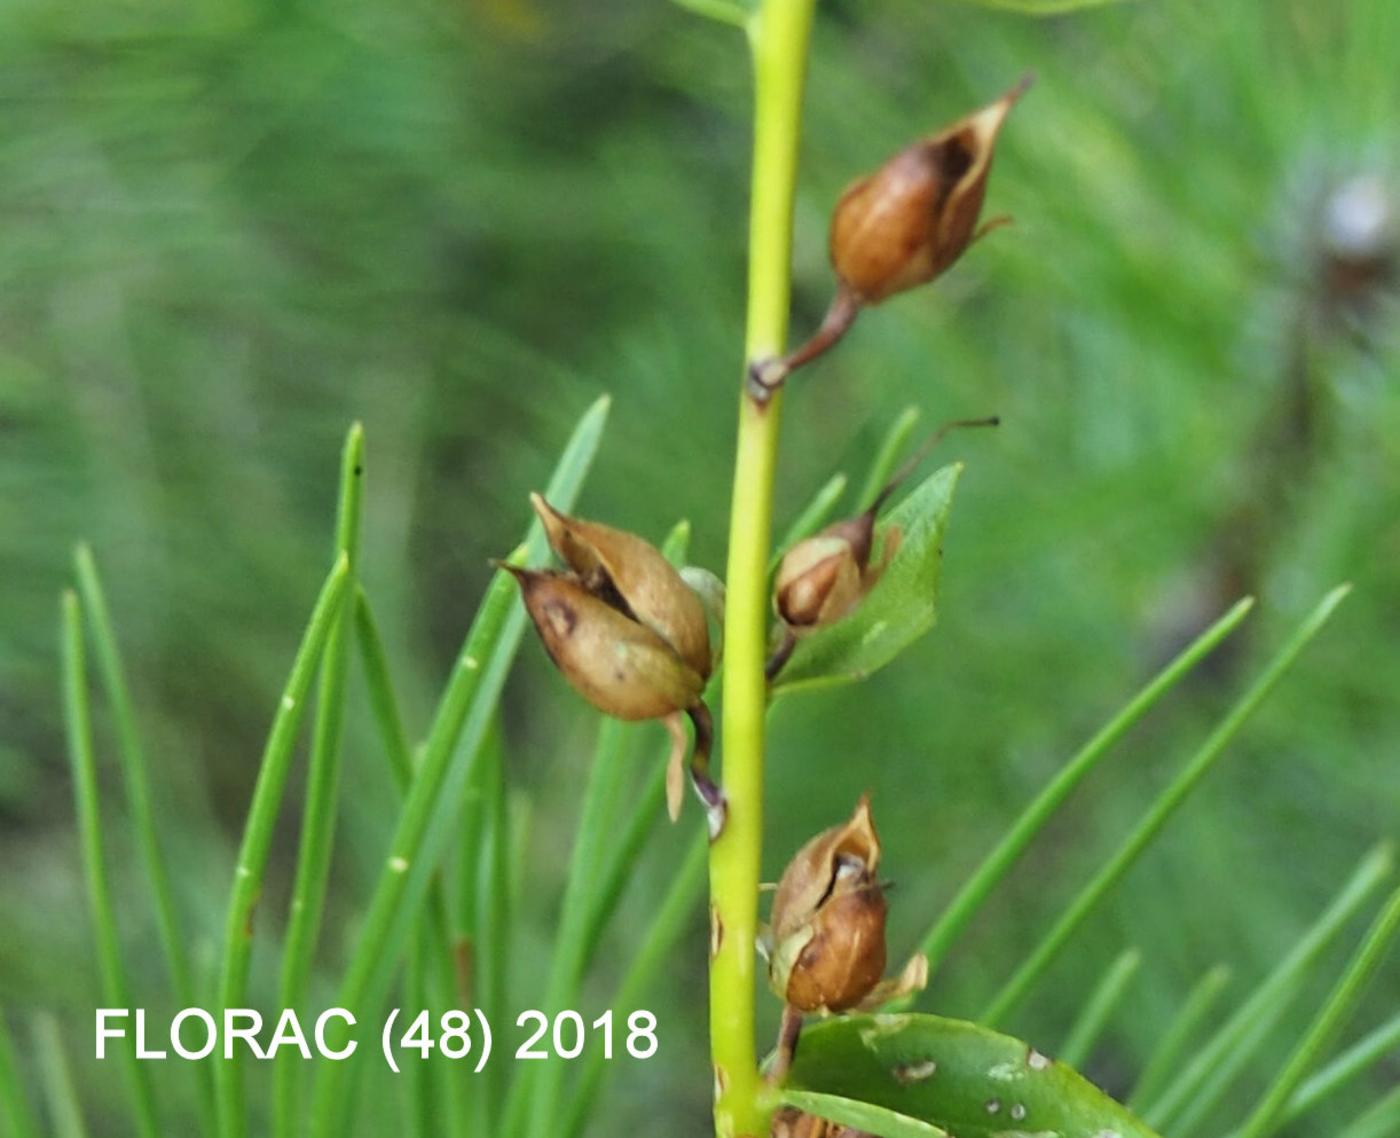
[779, 35]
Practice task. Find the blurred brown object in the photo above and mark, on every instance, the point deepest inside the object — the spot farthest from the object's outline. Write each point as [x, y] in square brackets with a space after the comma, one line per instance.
[790, 1123]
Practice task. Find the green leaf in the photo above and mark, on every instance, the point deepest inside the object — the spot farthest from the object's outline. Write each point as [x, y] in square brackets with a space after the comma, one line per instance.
[899, 610]
[865, 1116]
[953, 1075]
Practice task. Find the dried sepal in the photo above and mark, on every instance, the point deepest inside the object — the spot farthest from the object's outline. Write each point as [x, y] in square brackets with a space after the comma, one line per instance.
[912, 978]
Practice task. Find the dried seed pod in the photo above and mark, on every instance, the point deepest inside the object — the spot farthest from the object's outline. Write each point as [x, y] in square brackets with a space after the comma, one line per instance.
[829, 919]
[618, 664]
[902, 226]
[910, 220]
[823, 578]
[828, 923]
[630, 636]
[649, 586]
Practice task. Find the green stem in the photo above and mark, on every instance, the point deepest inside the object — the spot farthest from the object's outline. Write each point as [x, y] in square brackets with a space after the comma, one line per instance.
[132, 756]
[322, 783]
[257, 836]
[116, 992]
[779, 37]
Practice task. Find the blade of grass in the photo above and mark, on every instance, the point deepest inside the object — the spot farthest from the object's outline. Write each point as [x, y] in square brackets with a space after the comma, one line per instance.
[1198, 1087]
[494, 894]
[257, 836]
[1355, 1060]
[535, 1091]
[431, 976]
[384, 707]
[454, 741]
[60, 1093]
[1379, 1121]
[814, 515]
[131, 753]
[1330, 1020]
[322, 786]
[974, 892]
[616, 871]
[419, 1078]
[657, 949]
[1182, 1029]
[1166, 804]
[883, 465]
[1102, 1003]
[472, 855]
[116, 991]
[15, 1111]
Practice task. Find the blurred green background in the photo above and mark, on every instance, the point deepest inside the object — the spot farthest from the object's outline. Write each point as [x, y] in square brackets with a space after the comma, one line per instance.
[228, 228]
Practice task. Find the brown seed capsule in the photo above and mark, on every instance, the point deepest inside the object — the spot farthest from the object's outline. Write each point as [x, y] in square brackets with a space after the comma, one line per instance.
[649, 587]
[828, 923]
[618, 664]
[900, 227]
[822, 578]
[911, 219]
[629, 635]
[829, 919]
